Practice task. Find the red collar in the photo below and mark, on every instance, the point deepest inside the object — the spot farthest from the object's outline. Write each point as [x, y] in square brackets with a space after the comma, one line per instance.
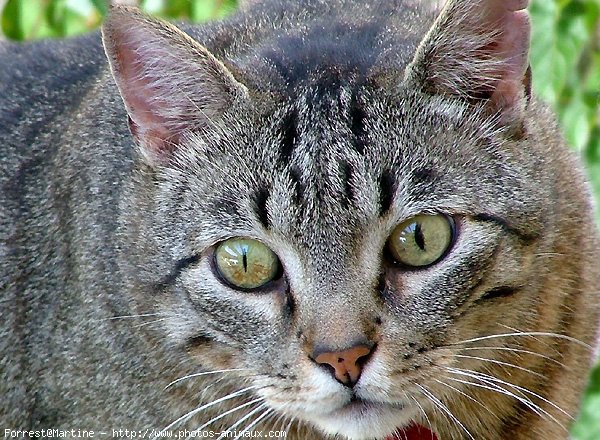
[413, 432]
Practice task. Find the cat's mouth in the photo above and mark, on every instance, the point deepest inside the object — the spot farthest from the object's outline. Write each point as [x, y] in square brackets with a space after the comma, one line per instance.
[384, 418]
[359, 406]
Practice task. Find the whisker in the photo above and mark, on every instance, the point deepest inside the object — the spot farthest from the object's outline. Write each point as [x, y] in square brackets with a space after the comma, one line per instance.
[240, 421]
[220, 416]
[266, 413]
[272, 419]
[546, 343]
[277, 419]
[498, 389]
[149, 322]
[192, 413]
[532, 334]
[204, 373]
[286, 429]
[280, 421]
[549, 254]
[289, 425]
[490, 386]
[425, 415]
[517, 387]
[443, 407]
[486, 378]
[516, 350]
[467, 396]
[506, 364]
[298, 428]
[141, 315]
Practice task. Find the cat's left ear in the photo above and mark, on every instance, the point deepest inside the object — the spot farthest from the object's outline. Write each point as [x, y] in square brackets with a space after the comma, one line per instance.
[170, 84]
[477, 50]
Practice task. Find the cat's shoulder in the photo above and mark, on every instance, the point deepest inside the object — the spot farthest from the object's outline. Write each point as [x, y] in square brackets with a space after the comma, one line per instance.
[40, 81]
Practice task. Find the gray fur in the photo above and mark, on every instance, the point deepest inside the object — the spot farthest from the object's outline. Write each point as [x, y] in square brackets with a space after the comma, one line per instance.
[107, 291]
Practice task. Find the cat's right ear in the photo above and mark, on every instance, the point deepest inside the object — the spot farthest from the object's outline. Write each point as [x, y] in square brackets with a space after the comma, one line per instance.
[477, 50]
[170, 84]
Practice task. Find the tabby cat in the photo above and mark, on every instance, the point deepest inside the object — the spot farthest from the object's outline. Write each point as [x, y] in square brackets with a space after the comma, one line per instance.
[333, 218]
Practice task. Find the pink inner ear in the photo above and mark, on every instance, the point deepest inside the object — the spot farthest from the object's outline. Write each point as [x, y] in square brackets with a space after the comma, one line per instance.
[477, 50]
[170, 84]
[145, 102]
[513, 48]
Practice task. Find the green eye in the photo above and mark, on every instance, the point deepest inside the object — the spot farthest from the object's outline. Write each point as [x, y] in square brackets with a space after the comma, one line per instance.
[421, 240]
[246, 263]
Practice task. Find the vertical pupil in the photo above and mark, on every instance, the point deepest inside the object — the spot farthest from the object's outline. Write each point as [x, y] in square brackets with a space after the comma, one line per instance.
[245, 259]
[419, 238]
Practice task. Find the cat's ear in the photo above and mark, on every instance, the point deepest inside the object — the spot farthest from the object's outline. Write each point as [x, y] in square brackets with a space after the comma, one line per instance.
[478, 50]
[170, 84]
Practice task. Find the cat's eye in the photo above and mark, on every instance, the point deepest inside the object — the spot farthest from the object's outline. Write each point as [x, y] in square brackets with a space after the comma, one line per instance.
[246, 263]
[421, 240]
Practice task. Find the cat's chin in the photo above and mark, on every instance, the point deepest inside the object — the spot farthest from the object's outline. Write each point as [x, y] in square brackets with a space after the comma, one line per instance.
[362, 419]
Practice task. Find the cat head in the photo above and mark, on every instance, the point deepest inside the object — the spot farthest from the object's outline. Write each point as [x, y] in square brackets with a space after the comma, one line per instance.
[336, 219]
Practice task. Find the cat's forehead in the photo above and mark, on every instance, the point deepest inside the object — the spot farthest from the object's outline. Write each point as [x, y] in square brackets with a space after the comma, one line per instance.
[355, 134]
[344, 157]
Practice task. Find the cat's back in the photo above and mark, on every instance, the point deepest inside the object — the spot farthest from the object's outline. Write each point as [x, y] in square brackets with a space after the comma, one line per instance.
[42, 88]
[41, 81]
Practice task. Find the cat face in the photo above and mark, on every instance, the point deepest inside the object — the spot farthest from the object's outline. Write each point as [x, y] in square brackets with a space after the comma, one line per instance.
[344, 247]
[328, 215]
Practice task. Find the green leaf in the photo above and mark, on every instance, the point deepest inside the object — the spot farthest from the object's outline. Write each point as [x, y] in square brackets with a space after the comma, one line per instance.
[587, 427]
[202, 10]
[547, 64]
[592, 82]
[101, 6]
[576, 123]
[12, 20]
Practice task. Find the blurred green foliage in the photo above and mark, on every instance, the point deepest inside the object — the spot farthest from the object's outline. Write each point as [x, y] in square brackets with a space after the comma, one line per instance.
[30, 19]
[565, 57]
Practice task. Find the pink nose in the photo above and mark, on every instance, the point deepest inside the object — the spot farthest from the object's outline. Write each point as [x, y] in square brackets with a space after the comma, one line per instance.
[347, 364]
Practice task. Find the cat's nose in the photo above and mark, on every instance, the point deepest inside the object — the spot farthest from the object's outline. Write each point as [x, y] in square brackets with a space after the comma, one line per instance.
[346, 366]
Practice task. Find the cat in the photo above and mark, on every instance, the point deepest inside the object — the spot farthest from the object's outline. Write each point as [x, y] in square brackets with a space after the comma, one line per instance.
[315, 219]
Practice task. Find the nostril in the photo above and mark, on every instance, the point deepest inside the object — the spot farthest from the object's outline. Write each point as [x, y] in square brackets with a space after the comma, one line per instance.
[362, 361]
[345, 365]
[328, 367]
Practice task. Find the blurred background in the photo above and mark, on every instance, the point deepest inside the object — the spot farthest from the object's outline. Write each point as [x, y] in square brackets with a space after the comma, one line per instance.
[565, 58]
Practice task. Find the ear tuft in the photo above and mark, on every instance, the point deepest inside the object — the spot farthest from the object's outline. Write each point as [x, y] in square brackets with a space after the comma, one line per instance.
[170, 84]
[477, 50]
